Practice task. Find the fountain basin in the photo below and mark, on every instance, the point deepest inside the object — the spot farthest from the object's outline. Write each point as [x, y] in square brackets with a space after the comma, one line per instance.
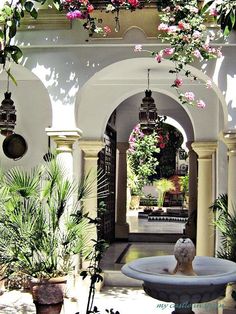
[213, 275]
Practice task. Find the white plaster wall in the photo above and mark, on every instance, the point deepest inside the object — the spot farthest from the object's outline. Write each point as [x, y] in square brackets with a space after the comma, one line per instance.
[64, 61]
[33, 116]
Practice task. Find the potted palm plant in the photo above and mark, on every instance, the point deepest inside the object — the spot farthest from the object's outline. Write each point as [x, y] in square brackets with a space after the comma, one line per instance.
[42, 229]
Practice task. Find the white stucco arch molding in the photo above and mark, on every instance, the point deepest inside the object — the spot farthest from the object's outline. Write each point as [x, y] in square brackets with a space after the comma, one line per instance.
[103, 93]
[24, 75]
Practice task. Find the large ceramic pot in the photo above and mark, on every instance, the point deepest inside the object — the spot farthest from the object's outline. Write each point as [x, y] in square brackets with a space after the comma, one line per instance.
[48, 294]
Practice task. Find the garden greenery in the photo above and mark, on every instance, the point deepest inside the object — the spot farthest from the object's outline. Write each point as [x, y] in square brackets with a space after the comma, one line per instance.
[142, 156]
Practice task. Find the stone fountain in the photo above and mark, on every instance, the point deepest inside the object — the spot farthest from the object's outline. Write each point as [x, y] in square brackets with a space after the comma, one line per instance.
[183, 278]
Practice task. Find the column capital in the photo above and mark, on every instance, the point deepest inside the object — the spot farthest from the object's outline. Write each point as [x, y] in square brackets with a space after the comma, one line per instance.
[189, 145]
[91, 148]
[229, 137]
[122, 147]
[204, 149]
[64, 138]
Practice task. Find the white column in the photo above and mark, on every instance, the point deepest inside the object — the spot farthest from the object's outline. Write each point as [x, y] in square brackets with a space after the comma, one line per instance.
[230, 140]
[90, 158]
[205, 229]
[122, 227]
[64, 146]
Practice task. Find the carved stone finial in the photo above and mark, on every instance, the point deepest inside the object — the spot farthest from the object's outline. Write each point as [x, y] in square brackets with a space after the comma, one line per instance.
[184, 252]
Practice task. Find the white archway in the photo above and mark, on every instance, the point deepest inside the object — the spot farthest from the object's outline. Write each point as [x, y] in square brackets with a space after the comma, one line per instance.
[108, 88]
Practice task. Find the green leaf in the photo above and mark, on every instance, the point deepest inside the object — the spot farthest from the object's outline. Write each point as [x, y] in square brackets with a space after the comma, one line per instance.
[232, 17]
[57, 4]
[29, 6]
[226, 31]
[8, 10]
[12, 30]
[11, 77]
[15, 53]
[206, 6]
[34, 13]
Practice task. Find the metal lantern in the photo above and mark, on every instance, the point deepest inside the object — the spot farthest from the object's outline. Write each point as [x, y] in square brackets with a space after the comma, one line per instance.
[7, 115]
[148, 113]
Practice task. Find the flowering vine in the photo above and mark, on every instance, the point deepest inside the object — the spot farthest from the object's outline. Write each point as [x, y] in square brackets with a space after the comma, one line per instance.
[182, 27]
[82, 10]
[143, 151]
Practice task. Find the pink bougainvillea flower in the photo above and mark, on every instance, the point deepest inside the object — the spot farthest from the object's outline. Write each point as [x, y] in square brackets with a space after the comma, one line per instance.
[208, 84]
[178, 82]
[168, 51]
[163, 27]
[197, 53]
[162, 145]
[186, 38]
[134, 3]
[158, 57]
[177, 8]
[172, 29]
[107, 29]
[201, 104]
[181, 25]
[72, 15]
[167, 9]
[196, 34]
[90, 8]
[138, 48]
[213, 12]
[189, 96]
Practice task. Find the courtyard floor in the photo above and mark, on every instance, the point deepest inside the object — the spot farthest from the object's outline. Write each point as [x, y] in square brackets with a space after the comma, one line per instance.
[125, 300]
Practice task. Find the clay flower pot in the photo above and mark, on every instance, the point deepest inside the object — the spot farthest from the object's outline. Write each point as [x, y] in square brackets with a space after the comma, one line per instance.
[48, 294]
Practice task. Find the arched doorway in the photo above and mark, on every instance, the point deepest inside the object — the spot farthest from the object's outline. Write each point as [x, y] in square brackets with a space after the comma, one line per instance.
[122, 84]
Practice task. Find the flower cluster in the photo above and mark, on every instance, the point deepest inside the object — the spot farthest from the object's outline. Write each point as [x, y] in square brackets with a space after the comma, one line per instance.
[182, 27]
[82, 9]
[143, 150]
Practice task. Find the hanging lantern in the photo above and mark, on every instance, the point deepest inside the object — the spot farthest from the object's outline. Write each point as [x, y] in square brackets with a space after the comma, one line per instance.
[148, 118]
[148, 113]
[7, 115]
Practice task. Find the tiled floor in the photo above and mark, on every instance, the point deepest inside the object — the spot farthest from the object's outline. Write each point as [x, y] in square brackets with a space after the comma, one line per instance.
[124, 300]
[144, 226]
[120, 253]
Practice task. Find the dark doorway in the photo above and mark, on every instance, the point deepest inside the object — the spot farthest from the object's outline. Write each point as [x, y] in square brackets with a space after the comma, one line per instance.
[107, 162]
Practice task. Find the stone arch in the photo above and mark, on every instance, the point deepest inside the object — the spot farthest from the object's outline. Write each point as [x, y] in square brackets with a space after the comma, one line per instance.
[109, 87]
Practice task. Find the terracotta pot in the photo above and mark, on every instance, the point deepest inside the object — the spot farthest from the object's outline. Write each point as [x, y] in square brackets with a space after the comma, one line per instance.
[48, 294]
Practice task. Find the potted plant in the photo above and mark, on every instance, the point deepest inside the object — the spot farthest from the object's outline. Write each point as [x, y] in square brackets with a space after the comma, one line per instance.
[225, 222]
[42, 229]
[163, 185]
[184, 188]
[135, 187]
